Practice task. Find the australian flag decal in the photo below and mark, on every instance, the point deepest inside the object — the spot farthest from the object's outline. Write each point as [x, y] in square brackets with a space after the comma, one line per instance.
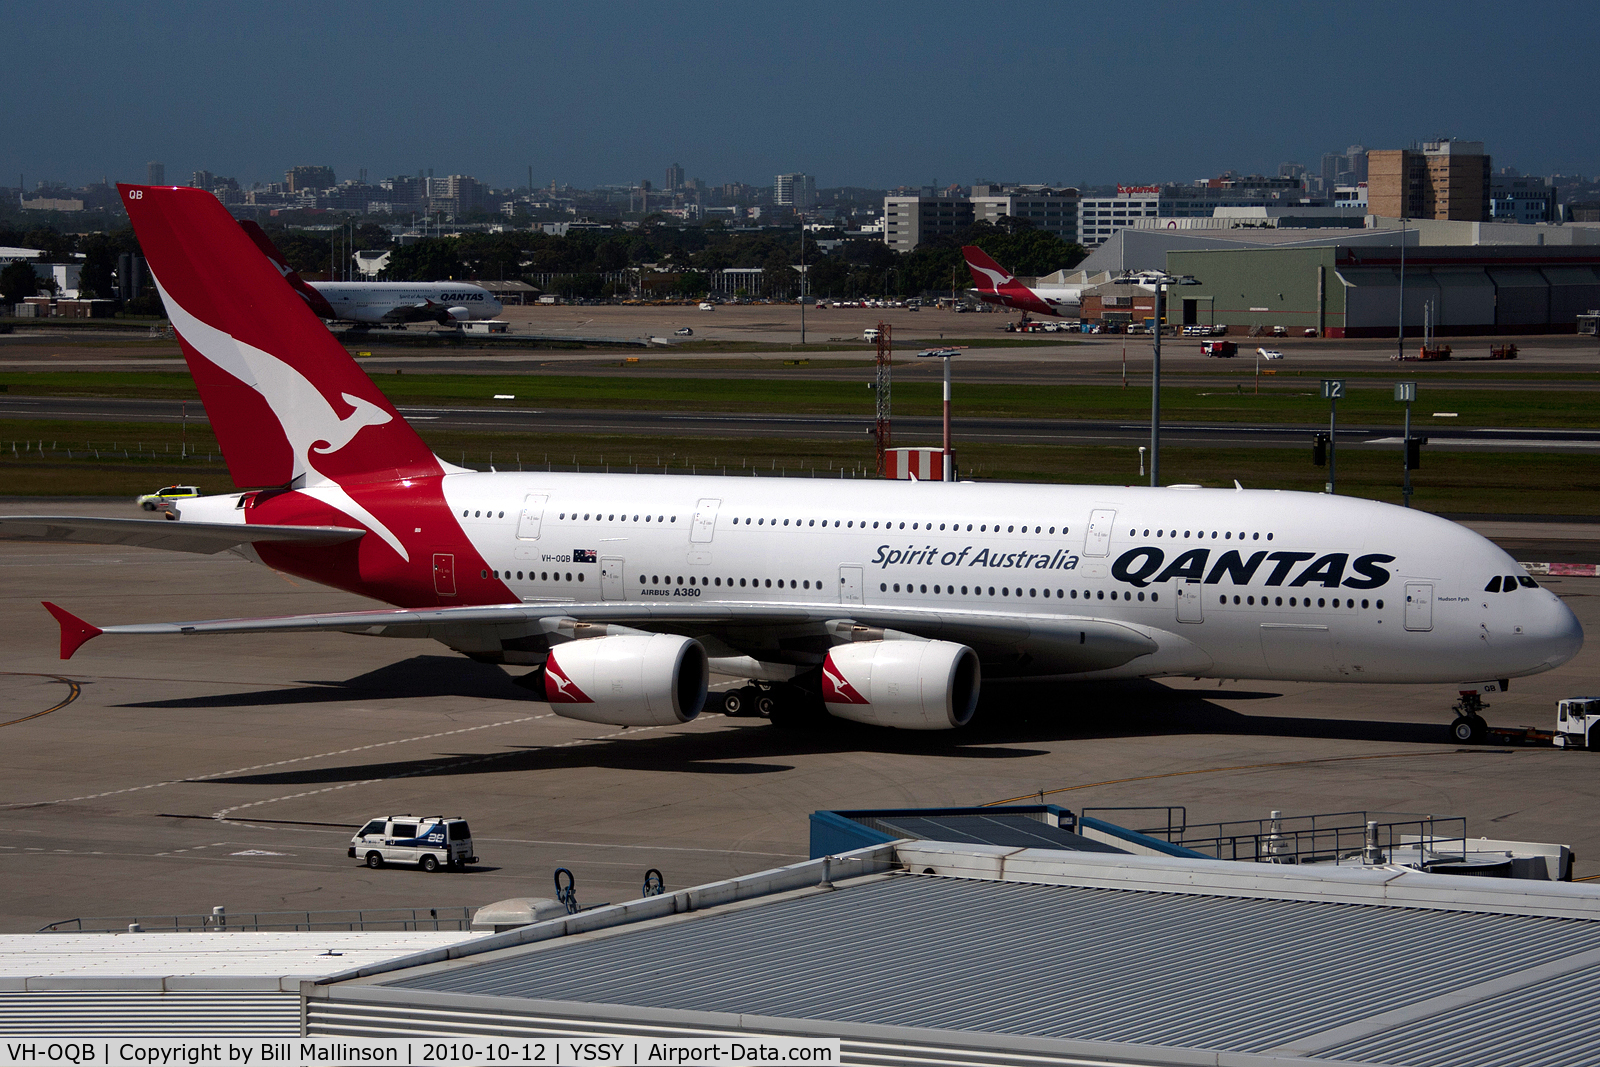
[583, 555]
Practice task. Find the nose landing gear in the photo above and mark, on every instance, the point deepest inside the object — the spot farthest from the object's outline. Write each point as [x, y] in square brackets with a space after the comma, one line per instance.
[1469, 727]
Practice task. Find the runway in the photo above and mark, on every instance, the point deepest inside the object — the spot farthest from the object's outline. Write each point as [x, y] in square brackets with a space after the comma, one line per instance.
[186, 773]
[1022, 431]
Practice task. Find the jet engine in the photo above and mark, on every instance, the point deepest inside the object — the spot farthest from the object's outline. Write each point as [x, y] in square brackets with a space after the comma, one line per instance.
[910, 685]
[627, 679]
[459, 314]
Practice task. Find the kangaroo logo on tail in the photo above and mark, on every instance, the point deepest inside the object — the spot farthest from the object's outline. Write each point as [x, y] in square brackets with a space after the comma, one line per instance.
[982, 267]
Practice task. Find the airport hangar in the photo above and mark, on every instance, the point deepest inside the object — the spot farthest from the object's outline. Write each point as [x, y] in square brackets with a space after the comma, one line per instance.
[1354, 290]
[1027, 947]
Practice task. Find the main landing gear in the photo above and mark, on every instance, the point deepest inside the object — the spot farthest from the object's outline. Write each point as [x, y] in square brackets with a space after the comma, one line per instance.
[784, 704]
[1469, 727]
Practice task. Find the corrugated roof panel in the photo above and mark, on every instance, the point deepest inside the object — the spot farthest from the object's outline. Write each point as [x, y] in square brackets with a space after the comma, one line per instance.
[1242, 975]
[1546, 1023]
[1021, 831]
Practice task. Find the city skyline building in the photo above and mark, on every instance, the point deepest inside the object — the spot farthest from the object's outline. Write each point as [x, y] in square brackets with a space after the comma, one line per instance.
[1444, 179]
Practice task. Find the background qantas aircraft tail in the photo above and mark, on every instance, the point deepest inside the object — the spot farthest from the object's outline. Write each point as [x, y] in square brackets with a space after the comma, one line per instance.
[288, 404]
[986, 273]
[316, 300]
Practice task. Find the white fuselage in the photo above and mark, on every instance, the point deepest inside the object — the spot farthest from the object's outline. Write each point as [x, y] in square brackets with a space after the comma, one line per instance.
[1235, 584]
[377, 302]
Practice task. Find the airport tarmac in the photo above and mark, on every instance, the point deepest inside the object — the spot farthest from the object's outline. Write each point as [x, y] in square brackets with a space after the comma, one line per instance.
[768, 327]
[152, 775]
[506, 419]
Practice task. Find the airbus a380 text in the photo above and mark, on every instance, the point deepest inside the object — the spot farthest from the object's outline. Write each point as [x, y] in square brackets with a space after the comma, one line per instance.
[883, 602]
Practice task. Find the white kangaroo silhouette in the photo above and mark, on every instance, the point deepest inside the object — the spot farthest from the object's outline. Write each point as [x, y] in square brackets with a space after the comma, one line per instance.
[310, 423]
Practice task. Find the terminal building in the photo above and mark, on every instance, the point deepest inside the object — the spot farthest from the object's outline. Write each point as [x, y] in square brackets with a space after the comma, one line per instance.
[1001, 936]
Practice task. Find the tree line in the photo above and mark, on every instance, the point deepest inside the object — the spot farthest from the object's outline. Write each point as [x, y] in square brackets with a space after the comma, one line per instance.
[686, 256]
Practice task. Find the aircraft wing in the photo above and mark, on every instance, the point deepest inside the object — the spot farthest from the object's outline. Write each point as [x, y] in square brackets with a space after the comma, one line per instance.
[1065, 645]
[201, 537]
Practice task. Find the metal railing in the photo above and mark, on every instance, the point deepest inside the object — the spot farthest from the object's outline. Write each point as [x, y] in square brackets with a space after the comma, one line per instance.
[1339, 837]
[1175, 820]
[407, 919]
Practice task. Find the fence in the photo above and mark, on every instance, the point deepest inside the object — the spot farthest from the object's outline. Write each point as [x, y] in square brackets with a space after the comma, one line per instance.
[1336, 837]
[219, 920]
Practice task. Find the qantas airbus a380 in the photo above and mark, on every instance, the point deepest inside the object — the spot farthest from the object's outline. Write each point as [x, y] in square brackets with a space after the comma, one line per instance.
[882, 602]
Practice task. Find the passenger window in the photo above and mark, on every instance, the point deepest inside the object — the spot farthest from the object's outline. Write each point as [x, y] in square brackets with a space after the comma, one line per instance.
[404, 830]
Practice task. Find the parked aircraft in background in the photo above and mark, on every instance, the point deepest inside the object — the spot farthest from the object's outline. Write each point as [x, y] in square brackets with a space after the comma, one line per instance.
[884, 602]
[382, 303]
[997, 285]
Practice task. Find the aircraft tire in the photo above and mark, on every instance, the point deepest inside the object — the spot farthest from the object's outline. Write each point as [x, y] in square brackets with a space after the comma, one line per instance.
[735, 702]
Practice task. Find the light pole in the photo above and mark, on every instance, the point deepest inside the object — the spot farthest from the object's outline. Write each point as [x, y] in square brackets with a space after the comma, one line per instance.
[947, 464]
[1400, 334]
[1160, 280]
[802, 281]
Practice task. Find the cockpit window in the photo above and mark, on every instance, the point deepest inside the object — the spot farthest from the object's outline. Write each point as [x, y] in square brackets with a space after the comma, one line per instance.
[1493, 586]
[1526, 582]
[1510, 585]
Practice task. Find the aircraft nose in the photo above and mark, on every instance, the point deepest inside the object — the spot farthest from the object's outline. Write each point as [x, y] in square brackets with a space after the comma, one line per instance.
[1557, 631]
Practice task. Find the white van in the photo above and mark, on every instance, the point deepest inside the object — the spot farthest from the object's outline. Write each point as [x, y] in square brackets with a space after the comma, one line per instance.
[429, 841]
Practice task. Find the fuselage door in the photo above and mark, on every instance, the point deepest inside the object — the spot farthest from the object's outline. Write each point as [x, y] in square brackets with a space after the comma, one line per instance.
[1098, 542]
[444, 573]
[532, 516]
[705, 521]
[849, 585]
[611, 587]
[1419, 605]
[1188, 597]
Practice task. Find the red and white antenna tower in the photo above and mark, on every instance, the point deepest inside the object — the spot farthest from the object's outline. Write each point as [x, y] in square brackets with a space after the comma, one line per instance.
[881, 432]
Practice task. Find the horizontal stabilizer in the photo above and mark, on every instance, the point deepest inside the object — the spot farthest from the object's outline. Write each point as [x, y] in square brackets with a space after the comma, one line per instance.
[201, 537]
[74, 631]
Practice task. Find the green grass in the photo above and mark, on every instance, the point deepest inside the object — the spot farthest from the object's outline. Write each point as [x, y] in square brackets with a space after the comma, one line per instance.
[1506, 483]
[1292, 401]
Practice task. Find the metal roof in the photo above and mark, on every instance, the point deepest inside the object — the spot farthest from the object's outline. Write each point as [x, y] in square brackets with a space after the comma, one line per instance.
[1167, 969]
[220, 958]
[1020, 831]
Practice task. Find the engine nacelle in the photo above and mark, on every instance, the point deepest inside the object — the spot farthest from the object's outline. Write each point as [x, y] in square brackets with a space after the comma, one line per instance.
[910, 685]
[627, 680]
[460, 314]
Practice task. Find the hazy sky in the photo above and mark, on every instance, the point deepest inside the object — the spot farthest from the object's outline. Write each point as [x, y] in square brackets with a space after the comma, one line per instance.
[854, 93]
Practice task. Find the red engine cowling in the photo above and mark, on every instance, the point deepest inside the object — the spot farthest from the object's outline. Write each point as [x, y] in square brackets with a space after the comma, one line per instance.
[910, 685]
[627, 679]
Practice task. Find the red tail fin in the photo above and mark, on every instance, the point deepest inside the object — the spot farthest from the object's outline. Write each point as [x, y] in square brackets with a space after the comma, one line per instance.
[316, 300]
[287, 403]
[74, 631]
[986, 273]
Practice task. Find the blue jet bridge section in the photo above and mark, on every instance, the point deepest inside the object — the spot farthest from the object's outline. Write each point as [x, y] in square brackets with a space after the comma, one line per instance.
[1018, 826]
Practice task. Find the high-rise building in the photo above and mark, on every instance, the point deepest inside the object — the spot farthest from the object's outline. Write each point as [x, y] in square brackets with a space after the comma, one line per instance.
[1049, 209]
[155, 173]
[299, 179]
[1442, 180]
[1513, 198]
[910, 220]
[674, 178]
[798, 191]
